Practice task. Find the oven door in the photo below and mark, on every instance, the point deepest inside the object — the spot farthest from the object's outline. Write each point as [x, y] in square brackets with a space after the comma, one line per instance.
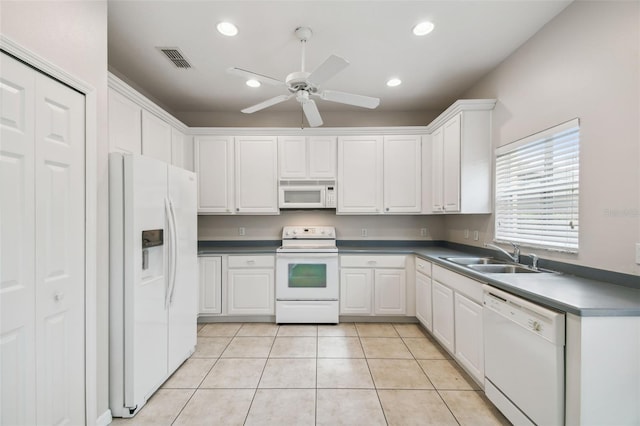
[307, 276]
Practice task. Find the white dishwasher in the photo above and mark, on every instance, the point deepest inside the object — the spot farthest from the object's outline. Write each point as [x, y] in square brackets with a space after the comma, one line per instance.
[524, 359]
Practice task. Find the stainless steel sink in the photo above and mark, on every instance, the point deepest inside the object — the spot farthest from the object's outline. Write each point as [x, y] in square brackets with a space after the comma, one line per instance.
[465, 261]
[502, 269]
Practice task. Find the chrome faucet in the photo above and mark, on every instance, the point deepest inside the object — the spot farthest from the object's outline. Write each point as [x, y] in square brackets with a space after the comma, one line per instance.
[516, 251]
[534, 260]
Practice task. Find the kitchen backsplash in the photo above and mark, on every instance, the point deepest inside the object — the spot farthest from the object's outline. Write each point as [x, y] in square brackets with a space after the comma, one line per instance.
[386, 227]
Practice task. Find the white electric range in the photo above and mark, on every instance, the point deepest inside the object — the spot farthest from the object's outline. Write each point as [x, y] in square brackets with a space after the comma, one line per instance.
[307, 278]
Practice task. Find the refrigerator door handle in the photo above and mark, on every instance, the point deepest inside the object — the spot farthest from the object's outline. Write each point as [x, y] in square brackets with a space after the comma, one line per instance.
[174, 251]
[170, 250]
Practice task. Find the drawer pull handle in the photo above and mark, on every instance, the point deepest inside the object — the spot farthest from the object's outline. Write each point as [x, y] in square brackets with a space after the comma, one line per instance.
[251, 262]
[372, 262]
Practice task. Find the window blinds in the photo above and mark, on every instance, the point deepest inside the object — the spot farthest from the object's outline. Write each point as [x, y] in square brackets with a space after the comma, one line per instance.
[537, 189]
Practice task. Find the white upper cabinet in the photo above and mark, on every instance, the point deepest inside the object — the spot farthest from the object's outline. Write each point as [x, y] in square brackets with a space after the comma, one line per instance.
[379, 174]
[138, 126]
[177, 148]
[360, 175]
[156, 137]
[437, 170]
[214, 168]
[321, 152]
[451, 165]
[256, 174]
[312, 157]
[402, 174]
[124, 124]
[461, 163]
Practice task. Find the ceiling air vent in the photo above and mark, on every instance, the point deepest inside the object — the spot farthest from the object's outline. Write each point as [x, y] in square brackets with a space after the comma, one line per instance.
[175, 56]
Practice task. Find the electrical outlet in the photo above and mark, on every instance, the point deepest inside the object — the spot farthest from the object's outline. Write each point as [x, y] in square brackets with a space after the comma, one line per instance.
[466, 234]
[476, 235]
[423, 232]
[241, 231]
[638, 253]
[363, 232]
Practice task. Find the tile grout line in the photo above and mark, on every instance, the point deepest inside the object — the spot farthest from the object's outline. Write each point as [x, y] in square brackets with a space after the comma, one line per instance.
[255, 392]
[205, 376]
[375, 387]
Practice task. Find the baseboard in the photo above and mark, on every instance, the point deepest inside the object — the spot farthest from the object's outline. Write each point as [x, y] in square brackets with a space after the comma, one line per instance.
[204, 319]
[104, 419]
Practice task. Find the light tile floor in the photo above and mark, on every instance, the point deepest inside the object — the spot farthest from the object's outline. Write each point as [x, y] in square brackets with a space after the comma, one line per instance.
[346, 374]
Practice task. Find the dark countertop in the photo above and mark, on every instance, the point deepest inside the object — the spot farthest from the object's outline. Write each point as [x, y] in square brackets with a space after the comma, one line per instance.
[564, 292]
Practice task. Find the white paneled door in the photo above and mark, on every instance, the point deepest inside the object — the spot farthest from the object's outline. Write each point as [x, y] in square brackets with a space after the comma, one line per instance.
[43, 256]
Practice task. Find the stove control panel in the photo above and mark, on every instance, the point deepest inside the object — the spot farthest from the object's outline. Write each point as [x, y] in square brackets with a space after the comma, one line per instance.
[309, 232]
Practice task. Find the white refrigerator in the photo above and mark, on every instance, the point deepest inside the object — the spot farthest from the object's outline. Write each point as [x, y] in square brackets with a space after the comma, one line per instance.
[153, 276]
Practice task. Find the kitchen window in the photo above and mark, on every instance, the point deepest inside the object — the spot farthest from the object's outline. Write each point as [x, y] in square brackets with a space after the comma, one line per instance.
[537, 189]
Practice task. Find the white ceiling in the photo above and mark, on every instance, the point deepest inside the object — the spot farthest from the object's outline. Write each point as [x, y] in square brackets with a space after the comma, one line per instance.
[470, 39]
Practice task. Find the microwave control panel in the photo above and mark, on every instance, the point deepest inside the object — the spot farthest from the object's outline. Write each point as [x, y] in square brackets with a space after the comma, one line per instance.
[330, 197]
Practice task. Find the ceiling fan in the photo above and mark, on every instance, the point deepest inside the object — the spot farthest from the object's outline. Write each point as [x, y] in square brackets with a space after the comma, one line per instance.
[305, 85]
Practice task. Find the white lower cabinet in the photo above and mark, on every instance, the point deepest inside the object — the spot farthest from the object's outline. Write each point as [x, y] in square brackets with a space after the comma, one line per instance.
[443, 315]
[469, 336]
[424, 312]
[250, 285]
[210, 279]
[457, 319]
[390, 292]
[356, 291]
[373, 285]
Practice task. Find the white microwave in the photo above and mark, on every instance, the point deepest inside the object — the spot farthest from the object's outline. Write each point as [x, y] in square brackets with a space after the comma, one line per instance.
[307, 196]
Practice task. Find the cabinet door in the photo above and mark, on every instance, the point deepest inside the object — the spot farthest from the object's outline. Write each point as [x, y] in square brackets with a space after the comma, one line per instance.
[356, 286]
[442, 298]
[256, 175]
[125, 131]
[402, 174]
[469, 337]
[210, 278]
[250, 292]
[292, 157]
[360, 174]
[390, 292]
[423, 301]
[214, 167]
[177, 148]
[437, 170]
[321, 155]
[451, 155]
[156, 137]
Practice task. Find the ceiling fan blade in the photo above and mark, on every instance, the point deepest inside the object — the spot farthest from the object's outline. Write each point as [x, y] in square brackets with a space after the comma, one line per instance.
[350, 99]
[252, 75]
[311, 112]
[330, 67]
[266, 104]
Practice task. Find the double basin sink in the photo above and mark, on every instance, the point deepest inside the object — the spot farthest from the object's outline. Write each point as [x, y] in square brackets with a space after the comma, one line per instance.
[490, 265]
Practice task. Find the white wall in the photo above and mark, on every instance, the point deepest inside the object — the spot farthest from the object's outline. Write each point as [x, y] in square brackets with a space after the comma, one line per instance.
[72, 35]
[583, 63]
[390, 227]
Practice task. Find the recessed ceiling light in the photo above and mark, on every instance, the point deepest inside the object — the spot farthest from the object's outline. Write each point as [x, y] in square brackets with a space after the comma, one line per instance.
[393, 82]
[227, 28]
[423, 28]
[253, 83]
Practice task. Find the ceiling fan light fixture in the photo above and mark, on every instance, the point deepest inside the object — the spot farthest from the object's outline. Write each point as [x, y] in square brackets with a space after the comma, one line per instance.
[423, 28]
[227, 29]
[393, 82]
[253, 83]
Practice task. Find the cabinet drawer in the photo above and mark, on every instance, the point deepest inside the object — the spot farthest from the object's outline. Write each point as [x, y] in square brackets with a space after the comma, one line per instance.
[251, 261]
[461, 284]
[423, 266]
[372, 261]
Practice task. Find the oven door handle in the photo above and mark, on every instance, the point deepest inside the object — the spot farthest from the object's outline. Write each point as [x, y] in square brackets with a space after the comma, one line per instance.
[306, 255]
